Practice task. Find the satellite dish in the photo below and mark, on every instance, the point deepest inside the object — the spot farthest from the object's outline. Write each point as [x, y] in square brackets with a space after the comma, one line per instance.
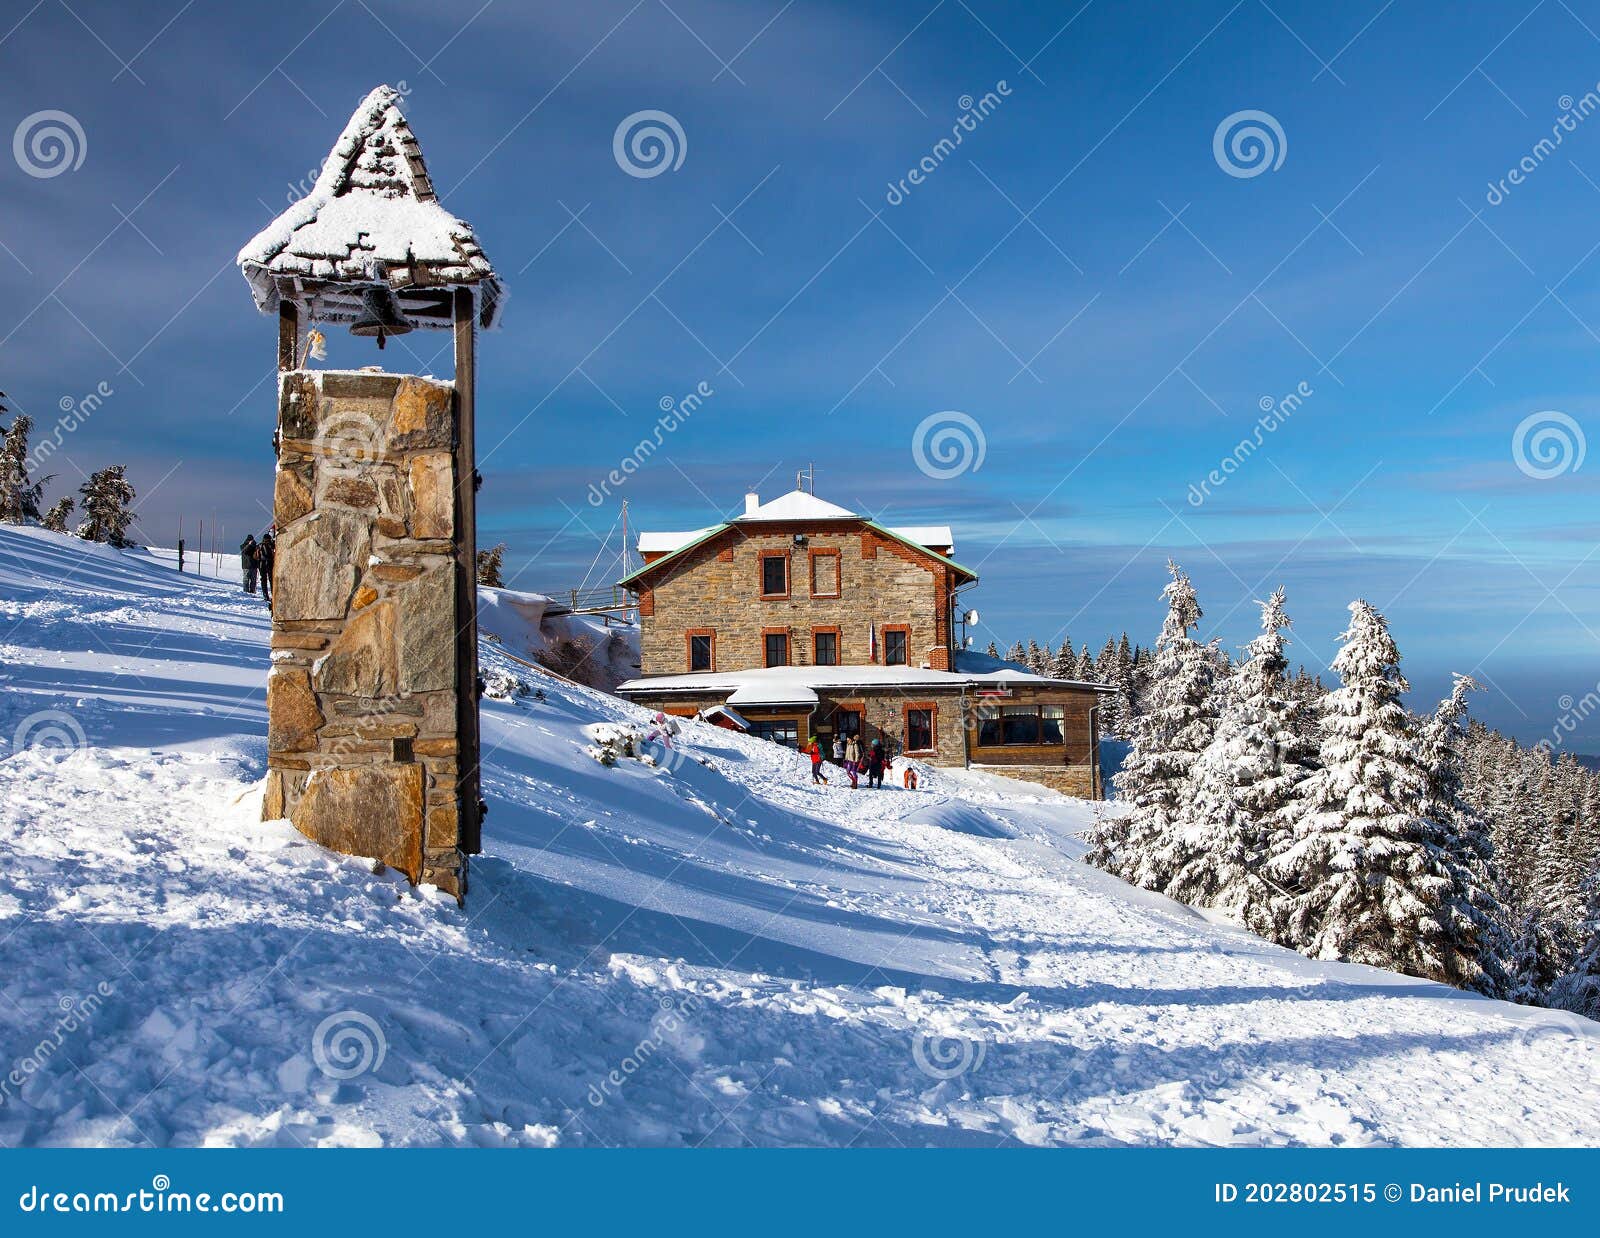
[970, 617]
[967, 644]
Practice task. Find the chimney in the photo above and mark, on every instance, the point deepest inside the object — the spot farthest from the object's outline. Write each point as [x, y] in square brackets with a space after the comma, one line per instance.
[752, 500]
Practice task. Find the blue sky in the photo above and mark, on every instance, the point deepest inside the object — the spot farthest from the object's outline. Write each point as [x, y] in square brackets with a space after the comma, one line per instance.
[1081, 278]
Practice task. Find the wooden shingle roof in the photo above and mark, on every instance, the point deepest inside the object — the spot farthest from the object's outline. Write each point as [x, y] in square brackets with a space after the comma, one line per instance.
[373, 204]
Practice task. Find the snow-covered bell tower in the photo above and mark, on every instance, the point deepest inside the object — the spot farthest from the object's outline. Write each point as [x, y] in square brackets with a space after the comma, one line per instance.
[372, 698]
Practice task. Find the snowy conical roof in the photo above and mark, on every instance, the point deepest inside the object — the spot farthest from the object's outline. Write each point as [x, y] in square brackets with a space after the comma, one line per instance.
[373, 203]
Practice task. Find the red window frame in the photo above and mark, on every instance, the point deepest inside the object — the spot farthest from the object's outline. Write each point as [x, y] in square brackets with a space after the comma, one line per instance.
[838, 572]
[688, 647]
[761, 579]
[932, 711]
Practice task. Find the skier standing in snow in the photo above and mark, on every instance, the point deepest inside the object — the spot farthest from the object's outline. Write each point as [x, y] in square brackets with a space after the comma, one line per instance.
[247, 561]
[876, 761]
[267, 555]
[814, 751]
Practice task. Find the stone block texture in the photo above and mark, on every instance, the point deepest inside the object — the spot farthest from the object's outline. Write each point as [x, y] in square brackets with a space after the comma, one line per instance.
[717, 588]
[362, 696]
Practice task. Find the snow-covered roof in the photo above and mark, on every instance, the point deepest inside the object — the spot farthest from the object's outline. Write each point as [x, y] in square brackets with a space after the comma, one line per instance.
[773, 692]
[666, 543]
[793, 685]
[373, 203]
[929, 535]
[797, 505]
[724, 711]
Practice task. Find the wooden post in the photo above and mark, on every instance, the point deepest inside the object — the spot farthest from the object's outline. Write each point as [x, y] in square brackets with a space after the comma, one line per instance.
[466, 515]
[288, 336]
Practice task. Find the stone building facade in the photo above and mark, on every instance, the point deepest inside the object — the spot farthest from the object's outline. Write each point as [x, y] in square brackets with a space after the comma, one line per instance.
[363, 695]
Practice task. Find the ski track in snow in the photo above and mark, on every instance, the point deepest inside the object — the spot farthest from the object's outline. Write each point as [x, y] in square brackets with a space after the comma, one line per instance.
[708, 951]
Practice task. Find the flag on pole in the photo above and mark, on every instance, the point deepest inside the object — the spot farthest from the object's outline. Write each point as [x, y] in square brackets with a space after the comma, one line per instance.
[873, 628]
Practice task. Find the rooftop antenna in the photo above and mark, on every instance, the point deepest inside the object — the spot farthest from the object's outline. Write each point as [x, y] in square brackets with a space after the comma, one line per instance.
[806, 477]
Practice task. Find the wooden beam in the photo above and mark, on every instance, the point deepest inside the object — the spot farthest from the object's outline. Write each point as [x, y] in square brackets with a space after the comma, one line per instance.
[466, 514]
[288, 335]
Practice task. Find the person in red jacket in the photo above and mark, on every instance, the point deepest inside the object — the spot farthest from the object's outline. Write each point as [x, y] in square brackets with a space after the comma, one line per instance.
[814, 751]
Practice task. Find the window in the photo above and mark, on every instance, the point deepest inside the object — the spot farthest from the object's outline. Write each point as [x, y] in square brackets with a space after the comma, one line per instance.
[894, 647]
[777, 648]
[782, 731]
[919, 728]
[824, 573]
[775, 574]
[1019, 724]
[702, 651]
[1035, 725]
[826, 648]
[848, 722]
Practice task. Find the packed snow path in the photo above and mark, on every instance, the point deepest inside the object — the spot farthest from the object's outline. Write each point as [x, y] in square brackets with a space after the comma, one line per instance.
[704, 951]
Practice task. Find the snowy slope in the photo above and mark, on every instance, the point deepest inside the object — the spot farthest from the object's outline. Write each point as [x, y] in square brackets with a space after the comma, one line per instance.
[704, 951]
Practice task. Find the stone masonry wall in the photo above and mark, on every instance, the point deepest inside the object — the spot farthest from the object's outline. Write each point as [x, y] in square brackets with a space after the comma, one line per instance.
[717, 588]
[361, 696]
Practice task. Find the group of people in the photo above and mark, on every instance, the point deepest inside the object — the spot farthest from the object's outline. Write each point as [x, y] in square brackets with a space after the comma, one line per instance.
[257, 559]
[847, 752]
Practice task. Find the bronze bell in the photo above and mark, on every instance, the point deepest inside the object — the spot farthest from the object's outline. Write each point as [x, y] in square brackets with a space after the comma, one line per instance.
[380, 312]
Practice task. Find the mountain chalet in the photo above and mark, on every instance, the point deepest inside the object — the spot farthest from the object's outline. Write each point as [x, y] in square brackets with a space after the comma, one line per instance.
[799, 618]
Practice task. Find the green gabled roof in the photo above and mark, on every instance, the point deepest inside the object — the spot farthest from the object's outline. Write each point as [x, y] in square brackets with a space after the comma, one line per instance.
[718, 530]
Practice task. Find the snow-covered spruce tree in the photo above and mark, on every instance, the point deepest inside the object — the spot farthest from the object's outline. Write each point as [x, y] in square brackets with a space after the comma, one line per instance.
[1038, 660]
[1064, 663]
[1084, 672]
[1017, 654]
[1527, 980]
[993, 650]
[55, 520]
[106, 496]
[490, 566]
[19, 497]
[1579, 989]
[1244, 784]
[1174, 728]
[1374, 881]
[1477, 901]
